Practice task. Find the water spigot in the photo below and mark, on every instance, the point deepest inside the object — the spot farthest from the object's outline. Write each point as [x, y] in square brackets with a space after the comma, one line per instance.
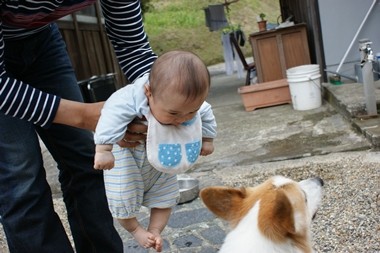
[366, 51]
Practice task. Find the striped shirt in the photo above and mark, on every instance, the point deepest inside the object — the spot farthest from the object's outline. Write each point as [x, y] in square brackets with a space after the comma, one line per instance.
[20, 18]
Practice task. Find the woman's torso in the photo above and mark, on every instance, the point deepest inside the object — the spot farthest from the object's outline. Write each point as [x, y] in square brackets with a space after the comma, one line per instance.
[21, 18]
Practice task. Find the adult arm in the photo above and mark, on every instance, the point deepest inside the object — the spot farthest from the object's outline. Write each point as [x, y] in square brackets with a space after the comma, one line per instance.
[20, 100]
[78, 114]
[86, 116]
[124, 26]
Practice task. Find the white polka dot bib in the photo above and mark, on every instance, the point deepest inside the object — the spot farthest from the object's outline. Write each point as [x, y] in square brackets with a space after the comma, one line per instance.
[173, 149]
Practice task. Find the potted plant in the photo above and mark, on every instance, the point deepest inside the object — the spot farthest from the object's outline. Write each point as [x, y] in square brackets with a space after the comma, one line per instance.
[261, 21]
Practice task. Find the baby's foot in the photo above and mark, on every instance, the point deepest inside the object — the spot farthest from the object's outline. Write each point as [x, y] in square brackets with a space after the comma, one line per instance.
[145, 238]
[157, 239]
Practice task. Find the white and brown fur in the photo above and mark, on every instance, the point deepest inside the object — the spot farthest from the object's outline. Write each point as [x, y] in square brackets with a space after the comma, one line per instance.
[274, 216]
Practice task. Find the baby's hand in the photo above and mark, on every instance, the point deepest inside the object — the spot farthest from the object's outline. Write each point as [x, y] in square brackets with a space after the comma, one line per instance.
[207, 148]
[104, 160]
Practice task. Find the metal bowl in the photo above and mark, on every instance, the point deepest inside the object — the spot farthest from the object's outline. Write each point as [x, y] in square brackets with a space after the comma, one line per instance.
[188, 189]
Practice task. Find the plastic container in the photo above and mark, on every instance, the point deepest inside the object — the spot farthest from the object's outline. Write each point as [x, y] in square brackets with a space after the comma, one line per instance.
[305, 87]
[378, 56]
[303, 70]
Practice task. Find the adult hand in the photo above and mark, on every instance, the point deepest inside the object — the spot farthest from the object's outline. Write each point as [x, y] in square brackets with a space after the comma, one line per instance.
[135, 134]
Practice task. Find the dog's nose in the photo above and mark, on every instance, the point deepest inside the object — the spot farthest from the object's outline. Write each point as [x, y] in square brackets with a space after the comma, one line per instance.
[320, 180]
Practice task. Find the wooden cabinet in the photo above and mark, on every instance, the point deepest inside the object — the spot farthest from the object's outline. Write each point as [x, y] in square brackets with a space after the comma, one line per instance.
[275, 51]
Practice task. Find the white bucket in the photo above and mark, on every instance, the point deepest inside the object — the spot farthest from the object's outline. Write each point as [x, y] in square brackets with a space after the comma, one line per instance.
[305, 87]
[302, 70]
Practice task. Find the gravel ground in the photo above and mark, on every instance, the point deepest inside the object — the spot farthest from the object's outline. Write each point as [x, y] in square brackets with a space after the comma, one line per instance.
[348, 220]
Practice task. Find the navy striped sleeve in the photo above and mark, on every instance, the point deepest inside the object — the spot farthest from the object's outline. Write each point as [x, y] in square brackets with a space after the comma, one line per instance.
[22, 101]
[125, 30]
[25, 102]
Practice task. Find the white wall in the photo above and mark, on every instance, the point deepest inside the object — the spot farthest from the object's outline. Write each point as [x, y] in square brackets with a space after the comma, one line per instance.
[340, 20]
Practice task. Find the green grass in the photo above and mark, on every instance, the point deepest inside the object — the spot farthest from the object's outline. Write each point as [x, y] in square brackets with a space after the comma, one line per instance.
[180, 24]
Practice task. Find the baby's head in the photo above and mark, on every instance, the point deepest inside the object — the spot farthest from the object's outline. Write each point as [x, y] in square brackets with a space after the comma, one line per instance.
[178, 85]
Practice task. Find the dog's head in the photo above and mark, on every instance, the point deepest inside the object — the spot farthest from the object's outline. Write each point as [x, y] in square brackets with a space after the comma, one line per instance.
[280, 208]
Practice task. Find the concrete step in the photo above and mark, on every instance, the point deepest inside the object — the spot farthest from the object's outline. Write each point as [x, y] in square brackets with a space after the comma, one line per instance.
[349, 100]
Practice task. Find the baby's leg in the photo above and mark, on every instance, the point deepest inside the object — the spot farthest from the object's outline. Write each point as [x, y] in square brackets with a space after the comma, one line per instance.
[158, 219]
[145, 238]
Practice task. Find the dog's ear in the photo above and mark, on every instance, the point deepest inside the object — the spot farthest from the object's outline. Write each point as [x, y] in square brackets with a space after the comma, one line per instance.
[224, 202]
[276, 218]
[284, 213]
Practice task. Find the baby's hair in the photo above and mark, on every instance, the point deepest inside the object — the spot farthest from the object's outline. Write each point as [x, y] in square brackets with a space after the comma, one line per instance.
[184, 71]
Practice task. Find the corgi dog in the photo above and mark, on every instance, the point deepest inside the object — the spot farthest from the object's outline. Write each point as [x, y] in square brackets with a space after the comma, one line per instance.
[274, 216]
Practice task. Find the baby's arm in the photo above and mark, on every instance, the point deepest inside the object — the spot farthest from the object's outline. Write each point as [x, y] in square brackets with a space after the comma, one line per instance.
[207, 146]
[118, 111]
[104, 159]
[208, 129]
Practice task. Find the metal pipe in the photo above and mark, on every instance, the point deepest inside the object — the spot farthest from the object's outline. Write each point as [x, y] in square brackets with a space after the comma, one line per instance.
[345, 76]
[366, 61]
[356, 35]
[369, 89]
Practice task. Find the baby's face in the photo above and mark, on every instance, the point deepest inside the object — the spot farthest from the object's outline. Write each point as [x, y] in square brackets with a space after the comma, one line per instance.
[174, 109]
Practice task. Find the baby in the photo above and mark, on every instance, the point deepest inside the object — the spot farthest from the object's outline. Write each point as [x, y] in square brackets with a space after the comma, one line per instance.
[181, 126]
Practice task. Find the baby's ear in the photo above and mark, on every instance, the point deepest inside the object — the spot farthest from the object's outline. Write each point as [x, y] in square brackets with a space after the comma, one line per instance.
[147, 90]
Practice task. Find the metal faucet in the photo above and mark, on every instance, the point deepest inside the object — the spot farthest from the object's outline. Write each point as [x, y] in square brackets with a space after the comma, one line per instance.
[366, 51]
[366, 64]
